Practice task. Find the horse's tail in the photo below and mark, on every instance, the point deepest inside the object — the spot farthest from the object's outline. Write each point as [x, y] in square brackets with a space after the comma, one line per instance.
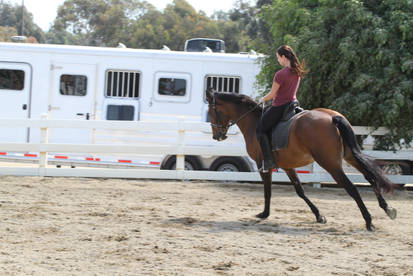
[368, 166]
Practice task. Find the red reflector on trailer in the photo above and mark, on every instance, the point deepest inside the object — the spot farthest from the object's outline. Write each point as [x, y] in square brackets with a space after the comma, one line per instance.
[302, 171]
[92, 159]
[125, 161]
[3, 153]
[154, 163]
[30, 155]
[60, 157]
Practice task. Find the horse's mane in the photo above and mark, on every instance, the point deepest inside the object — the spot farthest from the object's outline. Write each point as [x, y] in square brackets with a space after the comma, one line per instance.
[239, 99]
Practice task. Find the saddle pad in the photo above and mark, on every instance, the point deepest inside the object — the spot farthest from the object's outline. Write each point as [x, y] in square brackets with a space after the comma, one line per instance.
[281, 132]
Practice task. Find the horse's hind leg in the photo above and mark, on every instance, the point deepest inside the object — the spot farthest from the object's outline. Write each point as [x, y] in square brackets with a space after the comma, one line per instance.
[300, 192]
[342, 180]
[391, 212]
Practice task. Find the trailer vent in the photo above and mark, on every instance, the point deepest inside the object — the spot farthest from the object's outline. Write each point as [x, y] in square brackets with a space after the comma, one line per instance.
[223, 83]
[122, 84]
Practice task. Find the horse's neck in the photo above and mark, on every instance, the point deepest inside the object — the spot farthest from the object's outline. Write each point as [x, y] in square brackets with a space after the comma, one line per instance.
[248, 127]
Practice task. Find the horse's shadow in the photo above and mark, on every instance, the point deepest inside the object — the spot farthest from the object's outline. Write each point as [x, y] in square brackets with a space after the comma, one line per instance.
[300, 228]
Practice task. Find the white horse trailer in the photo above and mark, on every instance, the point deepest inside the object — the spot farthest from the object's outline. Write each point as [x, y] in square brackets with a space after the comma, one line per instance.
[94, 83]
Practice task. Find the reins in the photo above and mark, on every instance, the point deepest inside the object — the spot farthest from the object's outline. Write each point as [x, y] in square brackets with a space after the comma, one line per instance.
[243, 115]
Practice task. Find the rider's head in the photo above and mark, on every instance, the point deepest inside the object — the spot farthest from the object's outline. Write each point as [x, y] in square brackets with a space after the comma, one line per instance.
[286, 53]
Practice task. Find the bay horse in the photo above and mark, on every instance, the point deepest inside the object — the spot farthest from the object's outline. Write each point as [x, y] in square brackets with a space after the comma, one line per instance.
[321, 135]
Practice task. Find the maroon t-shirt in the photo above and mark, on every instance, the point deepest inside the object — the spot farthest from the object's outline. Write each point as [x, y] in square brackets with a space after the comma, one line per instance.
[289, 83]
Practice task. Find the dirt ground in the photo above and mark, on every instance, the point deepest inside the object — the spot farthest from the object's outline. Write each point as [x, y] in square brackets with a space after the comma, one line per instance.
[79, 226]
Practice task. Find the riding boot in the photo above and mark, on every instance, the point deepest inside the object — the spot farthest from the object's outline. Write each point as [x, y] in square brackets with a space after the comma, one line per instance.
[268, 162]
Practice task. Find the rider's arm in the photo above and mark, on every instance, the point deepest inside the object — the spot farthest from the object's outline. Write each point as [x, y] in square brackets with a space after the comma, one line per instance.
[271, 95]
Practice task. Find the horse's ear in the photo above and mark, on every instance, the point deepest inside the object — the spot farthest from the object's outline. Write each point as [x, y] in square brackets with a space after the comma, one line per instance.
[209, 93]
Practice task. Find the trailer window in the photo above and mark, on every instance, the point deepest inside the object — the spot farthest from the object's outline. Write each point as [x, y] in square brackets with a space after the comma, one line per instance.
[11, 79]
[223, 83]
[122, 84]
[120, 112]
[172, 87]
[73, 85]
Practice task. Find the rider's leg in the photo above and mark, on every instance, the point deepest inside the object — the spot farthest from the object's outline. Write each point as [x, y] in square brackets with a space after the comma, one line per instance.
[268, 162]
[269, 119]
[265, 125]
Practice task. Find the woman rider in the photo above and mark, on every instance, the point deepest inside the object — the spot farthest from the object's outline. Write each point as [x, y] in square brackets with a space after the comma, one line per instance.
[283, 92]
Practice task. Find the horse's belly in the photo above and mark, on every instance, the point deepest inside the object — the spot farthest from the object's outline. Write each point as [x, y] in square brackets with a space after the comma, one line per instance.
[290, 159]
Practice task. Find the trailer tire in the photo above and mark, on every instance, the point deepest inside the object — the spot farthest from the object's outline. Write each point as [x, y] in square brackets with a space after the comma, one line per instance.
[396, 168]
[229, 164]
[192, 163]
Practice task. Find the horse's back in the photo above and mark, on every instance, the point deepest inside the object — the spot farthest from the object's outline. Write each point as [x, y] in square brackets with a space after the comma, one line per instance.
[312, 133]
[327, 111]
[317, 125]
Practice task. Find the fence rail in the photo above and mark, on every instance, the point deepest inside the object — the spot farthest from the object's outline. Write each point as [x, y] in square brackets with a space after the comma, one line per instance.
[179, 149]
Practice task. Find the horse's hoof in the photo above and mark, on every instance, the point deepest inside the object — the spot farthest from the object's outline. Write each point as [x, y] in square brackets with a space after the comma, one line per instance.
[371, 228]
[322, 219]
[262, 215]
[391, 212]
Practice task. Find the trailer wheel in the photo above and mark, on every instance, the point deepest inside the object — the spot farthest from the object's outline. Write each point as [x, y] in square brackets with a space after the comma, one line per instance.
[229, 164]
[192, 163]
[395, 168]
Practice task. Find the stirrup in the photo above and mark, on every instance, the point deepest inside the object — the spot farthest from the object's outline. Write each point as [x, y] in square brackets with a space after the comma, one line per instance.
[265, 168]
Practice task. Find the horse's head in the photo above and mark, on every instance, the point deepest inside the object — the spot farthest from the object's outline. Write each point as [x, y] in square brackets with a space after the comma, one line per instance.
[218, 114]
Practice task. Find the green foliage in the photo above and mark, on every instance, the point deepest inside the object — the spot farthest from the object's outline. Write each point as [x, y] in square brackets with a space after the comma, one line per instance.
[11, 23]
[6, 33]
[96, 22]
[360, 56]
[138, 24]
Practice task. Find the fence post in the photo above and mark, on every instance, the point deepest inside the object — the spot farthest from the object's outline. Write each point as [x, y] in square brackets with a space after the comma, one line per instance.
[44, 139]
[316, 170]
[180, 157]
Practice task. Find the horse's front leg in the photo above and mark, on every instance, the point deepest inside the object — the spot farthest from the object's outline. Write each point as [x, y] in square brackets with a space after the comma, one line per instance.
[267, 180]
[300, 192]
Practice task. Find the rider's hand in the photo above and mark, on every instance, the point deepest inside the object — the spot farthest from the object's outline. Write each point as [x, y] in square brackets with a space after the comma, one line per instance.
[262, 100]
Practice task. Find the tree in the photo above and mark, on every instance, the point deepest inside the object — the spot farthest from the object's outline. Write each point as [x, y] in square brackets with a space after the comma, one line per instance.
[360, 56]
[178, 22]
[97, 22]
[11, 21]
[138, 24]
[6, 33]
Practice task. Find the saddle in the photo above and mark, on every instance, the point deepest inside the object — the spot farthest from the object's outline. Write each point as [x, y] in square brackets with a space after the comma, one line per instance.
[281, 132]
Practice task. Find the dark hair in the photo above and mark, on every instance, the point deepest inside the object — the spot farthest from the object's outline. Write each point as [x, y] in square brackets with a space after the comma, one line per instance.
[296, 66]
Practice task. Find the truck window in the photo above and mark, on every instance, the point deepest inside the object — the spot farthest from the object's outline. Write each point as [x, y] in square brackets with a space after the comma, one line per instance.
[223, 83]
[201, 44]
[11, 79]
[120, 112]
[122, 84]
[172, 87]
[73, 85]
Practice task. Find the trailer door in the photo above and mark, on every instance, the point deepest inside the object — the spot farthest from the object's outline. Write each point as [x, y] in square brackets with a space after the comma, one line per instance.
[15, 87]
[72, 99]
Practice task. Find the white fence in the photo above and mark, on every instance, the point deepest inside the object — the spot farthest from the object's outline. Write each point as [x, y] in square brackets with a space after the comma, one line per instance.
[179, 149]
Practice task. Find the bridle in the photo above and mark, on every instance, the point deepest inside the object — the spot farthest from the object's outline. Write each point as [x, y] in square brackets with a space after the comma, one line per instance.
[223, 129]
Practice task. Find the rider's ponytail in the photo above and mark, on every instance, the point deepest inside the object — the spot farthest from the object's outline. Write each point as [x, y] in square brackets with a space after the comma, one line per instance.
[296, 66]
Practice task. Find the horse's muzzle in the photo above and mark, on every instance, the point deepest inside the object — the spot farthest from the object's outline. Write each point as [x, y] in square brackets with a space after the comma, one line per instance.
[220, 137]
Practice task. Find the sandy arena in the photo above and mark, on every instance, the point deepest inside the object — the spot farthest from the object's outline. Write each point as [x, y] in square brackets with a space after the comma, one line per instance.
[79, 226]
